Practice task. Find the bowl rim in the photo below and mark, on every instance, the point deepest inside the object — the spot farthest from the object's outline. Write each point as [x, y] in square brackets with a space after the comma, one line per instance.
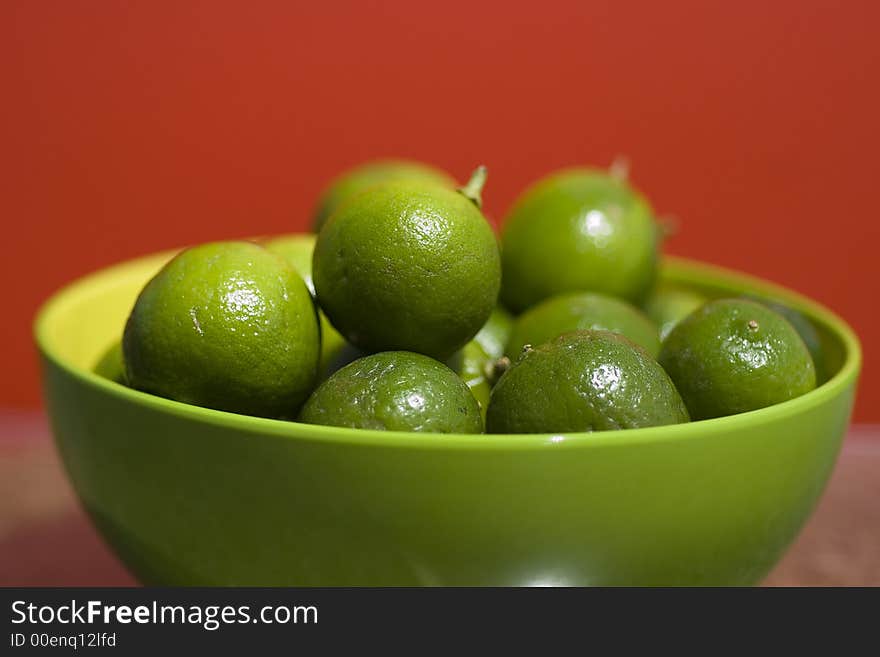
[679, 270]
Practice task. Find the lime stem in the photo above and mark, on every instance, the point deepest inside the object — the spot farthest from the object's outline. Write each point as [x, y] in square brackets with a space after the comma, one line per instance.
[667, 226]
[474, 187]
[495, 368]
[619, 168]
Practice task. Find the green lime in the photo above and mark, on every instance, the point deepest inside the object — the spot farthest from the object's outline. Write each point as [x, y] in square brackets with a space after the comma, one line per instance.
[298, 250]
[734, 355]
[395, 391]
[226, 325]
[408, 266]
[110, 365]
[805, 329]
[573, 311]
[475, 362]
[495, 333]
[583, 381]
[578, 230]
[669, 305]
[361, 178]
[470, 363]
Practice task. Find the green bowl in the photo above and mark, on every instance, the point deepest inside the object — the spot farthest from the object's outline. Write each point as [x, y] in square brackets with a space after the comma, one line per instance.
[192, 496]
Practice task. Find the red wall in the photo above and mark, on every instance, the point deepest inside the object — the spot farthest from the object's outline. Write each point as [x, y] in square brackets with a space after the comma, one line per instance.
[126, 129]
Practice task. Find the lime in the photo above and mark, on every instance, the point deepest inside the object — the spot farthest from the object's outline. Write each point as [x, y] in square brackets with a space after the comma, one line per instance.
[408, 266]
[226, 325]
[110, 365]
[474, 362]
[495, 333]
[583, 381]
[395, 391]
[572, 311]
[298, 250]
[469, 363]
[733, 355]
[669, 305]
[805, 329]
[578, 230]
[360, 178]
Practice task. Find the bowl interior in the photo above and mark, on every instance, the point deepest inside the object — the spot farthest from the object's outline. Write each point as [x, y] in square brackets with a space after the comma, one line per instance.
[80, 323]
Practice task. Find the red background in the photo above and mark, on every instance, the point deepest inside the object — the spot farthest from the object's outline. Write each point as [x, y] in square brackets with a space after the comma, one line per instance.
[130, 127]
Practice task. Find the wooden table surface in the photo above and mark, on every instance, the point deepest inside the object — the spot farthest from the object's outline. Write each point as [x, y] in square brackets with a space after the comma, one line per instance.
[46, 539]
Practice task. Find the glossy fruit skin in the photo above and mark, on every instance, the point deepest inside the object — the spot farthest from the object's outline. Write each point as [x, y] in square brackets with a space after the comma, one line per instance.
[584, 381]
[395, 391]
[297, 250]
[732, 355]
[578, 230]
[668, 306]
[575, 311]
[409, 267]
[805, 329]
[473, 361]
[495, 333]
[226, 325]
[702, 503]
[361, 178]
[469, 363]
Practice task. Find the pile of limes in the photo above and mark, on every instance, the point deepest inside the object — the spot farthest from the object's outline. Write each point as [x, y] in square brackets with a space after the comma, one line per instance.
[405, 312]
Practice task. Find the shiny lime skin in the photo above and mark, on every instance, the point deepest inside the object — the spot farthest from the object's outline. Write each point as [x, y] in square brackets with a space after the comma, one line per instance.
[473, 362]
[583, 381]
[226, 325]
[668, 306]
[297, 249]
[495, 333]
[732, 355]
[470, 363]
[407, 267]
[574, 311]
[578, 230]
[267, 502]
[395, 391]
[363, 177]
[805, 329]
